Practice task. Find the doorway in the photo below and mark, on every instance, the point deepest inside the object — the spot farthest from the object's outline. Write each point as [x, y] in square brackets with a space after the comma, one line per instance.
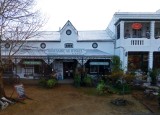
[68, 69]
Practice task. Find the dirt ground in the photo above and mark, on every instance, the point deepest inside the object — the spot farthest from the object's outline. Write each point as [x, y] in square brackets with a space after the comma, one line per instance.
[68, 100]
[151, 102]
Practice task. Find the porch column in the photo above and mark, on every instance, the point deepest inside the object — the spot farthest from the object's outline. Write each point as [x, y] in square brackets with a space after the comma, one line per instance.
[15, 61]
[122, 30]
[125, 61]
[152, 30]
[150, 65]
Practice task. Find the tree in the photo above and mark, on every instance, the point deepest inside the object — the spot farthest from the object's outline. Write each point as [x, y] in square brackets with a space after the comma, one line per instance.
[116, 64]
[18, 23]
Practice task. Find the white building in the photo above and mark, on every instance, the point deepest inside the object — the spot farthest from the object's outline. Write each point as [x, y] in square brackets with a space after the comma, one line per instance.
[66, 51]
[134, 37]
[137, 39]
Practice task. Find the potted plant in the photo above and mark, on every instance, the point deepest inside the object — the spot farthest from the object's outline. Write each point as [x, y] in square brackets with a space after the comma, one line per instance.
[153, 75]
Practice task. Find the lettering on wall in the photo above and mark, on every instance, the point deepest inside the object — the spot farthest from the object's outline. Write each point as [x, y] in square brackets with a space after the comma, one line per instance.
[66, 51]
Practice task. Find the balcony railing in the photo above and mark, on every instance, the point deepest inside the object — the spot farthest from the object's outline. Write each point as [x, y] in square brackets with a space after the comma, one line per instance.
[137, 42]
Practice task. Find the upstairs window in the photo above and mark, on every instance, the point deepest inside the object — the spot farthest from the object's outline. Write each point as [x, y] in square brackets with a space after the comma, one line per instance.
[68, 45]
[137, 30]
[137, 33]
[118, 31]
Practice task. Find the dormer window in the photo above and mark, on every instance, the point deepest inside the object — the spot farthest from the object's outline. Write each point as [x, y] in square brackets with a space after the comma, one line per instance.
[68, 45]
[68, 32]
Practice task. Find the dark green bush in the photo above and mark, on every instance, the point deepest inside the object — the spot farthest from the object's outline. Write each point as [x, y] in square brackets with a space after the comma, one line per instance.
[77, 80]
[123, 88]
[50, 83]
[87, 80]
[42, 82]
[153, 74]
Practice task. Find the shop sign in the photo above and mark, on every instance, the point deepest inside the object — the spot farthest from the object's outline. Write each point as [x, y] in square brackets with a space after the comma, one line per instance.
[66, 51]
[99, 63]
[137, 26]
[32, 62]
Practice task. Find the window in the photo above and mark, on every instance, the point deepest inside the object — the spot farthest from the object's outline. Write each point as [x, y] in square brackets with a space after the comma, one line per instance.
[68, 32]
[118, 31]
[68, 45]
[137, 33]
[93, 69]
[29, 71]
[127, 34]
[94, 45]
[138, 60]
[43, 45]
[7, 45]
[8, 70]
[157, 33]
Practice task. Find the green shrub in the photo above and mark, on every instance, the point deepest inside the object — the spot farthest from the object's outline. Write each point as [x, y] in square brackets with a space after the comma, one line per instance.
[116, 64]
[51, 83]
[123, 88]
[42, 82]
[47, 83]
[87, 80]
[77, 80]
[101, 87]
[153, 74]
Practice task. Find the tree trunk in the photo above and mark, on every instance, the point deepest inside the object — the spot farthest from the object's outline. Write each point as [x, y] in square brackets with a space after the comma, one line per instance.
[2, 92]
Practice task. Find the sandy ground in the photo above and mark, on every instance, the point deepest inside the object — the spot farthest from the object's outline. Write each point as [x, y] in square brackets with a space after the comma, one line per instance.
[68, 100]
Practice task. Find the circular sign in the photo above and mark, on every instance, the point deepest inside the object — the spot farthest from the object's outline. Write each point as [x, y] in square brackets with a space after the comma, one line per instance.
[137, 26]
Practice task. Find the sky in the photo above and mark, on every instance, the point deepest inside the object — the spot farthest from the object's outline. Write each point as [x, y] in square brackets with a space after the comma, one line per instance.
[89, 14]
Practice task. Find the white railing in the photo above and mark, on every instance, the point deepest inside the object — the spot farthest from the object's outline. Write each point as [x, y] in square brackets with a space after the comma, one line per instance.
[137, 42]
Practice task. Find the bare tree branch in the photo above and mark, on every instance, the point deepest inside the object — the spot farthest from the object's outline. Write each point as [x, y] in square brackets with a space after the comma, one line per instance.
[18, 23]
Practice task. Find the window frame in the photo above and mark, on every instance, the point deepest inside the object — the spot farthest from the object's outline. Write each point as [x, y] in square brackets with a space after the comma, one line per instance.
[68, 45]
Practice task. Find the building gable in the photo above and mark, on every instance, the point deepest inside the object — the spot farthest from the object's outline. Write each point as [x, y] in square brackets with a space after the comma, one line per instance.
[67, 26]
[68, 34]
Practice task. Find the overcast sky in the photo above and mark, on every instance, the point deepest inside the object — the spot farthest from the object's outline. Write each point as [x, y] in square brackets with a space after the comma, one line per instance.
[90, 14]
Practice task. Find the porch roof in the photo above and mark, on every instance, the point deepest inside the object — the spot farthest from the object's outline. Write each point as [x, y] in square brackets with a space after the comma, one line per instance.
[61, 53]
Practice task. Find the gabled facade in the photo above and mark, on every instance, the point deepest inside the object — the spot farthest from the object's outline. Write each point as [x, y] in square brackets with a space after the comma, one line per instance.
[66, 51]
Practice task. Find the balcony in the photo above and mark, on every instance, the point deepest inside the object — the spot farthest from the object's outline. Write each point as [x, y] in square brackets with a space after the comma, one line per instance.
[137, 42]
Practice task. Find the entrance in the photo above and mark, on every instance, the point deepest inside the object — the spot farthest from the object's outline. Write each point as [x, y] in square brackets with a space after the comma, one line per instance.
[69, 68]
[138, 60]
